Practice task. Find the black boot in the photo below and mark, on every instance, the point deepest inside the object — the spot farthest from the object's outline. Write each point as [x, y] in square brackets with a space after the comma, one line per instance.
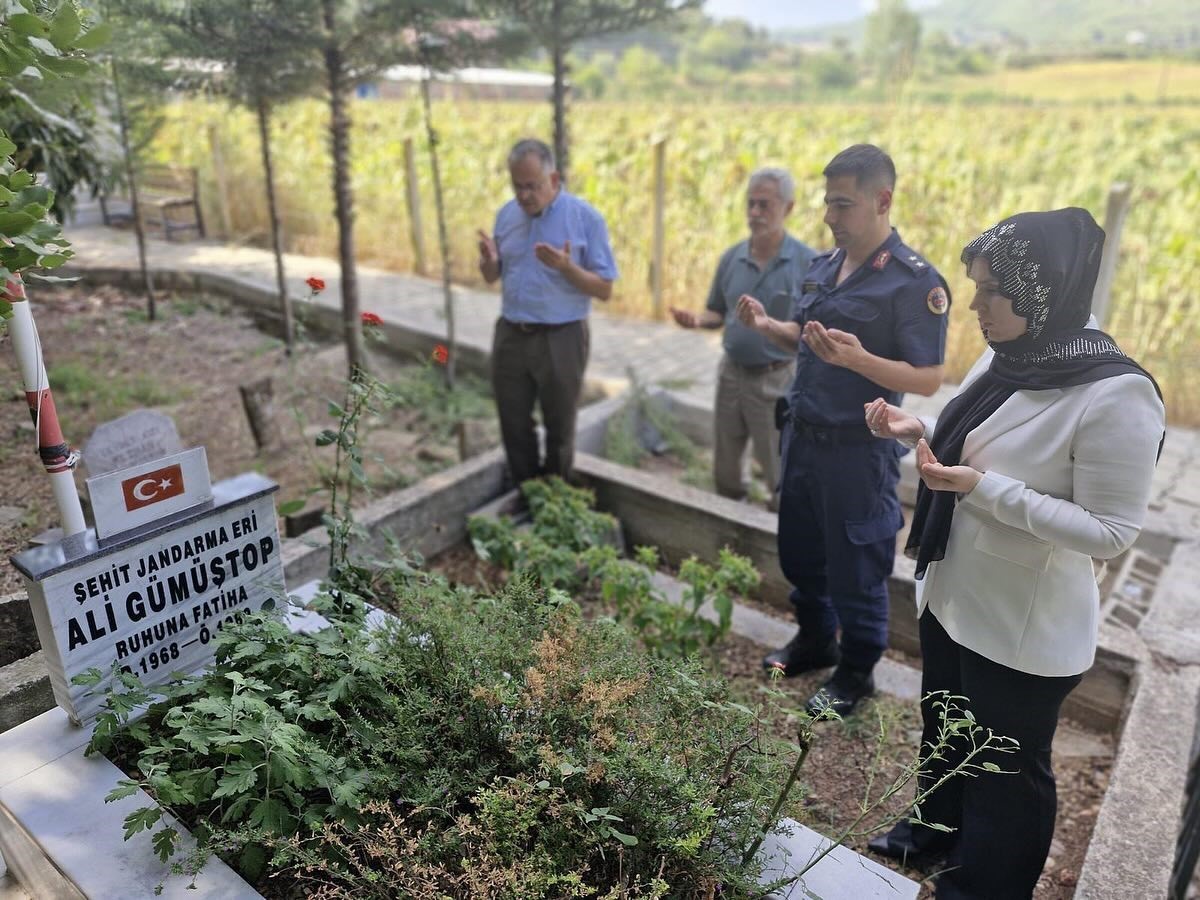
[803, 655]
[902, 843]
[842, 692]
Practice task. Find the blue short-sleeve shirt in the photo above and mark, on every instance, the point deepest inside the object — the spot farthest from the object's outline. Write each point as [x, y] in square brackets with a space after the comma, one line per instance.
[896, 303]
[534, 292]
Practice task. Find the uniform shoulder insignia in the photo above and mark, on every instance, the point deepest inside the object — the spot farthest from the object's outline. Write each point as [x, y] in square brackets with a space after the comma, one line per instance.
[911, 260]
[937, 301]
[881, 259]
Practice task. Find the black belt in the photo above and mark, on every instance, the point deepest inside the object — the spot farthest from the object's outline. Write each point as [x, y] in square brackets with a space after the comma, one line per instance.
[762, 370]
[833, 435]
[538, 327]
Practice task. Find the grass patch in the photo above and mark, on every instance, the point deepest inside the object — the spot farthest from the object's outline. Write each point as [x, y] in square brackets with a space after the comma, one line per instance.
[81, 384]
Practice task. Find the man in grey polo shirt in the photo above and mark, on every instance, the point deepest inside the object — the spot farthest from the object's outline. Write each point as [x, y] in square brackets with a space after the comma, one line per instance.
[754, 373]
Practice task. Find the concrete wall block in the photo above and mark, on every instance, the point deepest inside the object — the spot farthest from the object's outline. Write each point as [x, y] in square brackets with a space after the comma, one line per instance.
[25, 691]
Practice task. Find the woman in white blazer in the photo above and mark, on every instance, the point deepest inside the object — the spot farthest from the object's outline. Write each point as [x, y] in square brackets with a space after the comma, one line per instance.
[1041, 464]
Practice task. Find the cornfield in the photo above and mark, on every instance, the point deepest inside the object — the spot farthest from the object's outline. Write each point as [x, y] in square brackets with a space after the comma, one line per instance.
[960, 169]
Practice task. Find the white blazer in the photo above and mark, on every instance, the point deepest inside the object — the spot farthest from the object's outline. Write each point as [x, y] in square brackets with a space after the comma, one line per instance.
[1067, 477]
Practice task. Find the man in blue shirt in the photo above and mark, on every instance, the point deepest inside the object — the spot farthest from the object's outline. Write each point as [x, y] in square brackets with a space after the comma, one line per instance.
[754, 373]
[551, 250]
[871, 322]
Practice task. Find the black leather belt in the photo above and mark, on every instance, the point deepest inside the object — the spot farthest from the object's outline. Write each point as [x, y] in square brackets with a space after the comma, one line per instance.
[537, 327]
[832, 435]
[762, 370]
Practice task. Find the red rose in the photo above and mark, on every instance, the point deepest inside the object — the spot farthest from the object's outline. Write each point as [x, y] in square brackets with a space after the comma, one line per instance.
[440, 354]
[370, 318]
[317, 284]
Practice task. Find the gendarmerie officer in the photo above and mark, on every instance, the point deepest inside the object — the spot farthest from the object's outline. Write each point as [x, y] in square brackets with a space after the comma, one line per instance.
[870, 322]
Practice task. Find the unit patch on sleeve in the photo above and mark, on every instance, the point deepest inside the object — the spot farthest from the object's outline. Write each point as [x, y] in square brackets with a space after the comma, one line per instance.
[937, 301]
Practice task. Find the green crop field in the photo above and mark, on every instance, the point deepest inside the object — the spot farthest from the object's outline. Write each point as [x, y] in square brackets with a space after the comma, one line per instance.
[961, 168]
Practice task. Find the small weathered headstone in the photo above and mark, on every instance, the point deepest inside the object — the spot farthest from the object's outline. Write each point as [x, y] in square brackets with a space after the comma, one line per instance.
[135, 438]
[258, 399]
[472, 438]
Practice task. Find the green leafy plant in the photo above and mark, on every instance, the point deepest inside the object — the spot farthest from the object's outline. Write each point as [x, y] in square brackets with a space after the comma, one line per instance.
[500, 741]
[573, 547]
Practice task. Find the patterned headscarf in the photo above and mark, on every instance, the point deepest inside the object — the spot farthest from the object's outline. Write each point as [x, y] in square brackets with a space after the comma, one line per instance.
[1046, 263]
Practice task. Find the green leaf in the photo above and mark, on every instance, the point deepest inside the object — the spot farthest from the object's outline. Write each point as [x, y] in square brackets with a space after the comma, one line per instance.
[28, 25]
[88, 677]
[7, 148]
[20, 179]
[237, 808]
[125, 788]
[723, 604]
[627, 839]
[141, 820]
[348, 791]
[68, 66]
[270, 815]
[992, 767]
[240, 776]
[336, 690]
[164, 842]
[64, 27]
[937, 826]
[96, 38]
[326, 437]
[15, 222]
[291, 507]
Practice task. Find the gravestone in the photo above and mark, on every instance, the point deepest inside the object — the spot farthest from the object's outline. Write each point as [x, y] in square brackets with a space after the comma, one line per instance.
[137, 437]
[151, 600]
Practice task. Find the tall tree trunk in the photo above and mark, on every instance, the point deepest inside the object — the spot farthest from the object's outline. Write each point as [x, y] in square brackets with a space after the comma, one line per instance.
[558, 53]
[443, 240]
[343, 196]
[139, 232]
[285, 303]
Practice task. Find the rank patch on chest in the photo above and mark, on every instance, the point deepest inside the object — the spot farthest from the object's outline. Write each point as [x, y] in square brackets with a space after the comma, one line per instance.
[937, 301]
[881, 259]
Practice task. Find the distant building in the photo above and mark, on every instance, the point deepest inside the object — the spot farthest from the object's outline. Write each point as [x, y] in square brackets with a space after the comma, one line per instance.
[461, 84]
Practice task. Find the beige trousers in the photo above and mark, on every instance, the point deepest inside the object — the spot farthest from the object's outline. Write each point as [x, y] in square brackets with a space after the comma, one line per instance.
[745, 412]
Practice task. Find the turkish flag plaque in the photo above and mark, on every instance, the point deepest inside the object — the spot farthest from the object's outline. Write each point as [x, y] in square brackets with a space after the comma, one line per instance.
[136, 496]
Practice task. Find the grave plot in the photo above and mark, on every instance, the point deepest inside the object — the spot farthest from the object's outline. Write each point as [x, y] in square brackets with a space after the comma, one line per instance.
[104, 360]
[43, 751]
[430, 516]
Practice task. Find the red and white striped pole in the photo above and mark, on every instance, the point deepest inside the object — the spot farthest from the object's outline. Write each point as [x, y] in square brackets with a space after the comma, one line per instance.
[57, 456]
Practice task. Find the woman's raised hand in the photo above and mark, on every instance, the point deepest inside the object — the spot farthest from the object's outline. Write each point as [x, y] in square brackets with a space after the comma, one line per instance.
[889, 421]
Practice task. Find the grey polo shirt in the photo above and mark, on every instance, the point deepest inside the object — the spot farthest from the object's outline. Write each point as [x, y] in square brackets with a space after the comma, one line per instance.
[775, 285]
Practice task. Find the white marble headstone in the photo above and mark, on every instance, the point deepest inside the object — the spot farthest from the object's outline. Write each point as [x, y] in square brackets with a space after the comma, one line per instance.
[135, 438]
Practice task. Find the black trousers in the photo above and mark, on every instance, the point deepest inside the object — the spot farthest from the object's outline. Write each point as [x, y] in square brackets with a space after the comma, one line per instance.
[1004, 823]
[543, 366]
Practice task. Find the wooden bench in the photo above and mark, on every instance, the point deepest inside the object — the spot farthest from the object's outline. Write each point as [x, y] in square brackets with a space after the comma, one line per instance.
[169, 197]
